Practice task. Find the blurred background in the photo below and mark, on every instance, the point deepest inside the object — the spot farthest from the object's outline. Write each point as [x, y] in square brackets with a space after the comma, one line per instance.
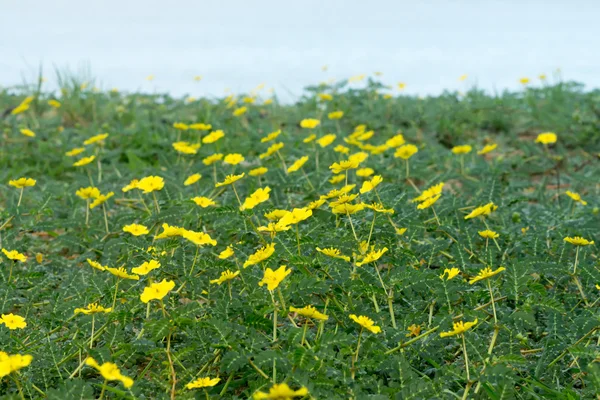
[236, 45]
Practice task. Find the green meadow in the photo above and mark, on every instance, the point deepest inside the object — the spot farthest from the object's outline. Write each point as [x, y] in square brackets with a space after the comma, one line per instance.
[353, 244]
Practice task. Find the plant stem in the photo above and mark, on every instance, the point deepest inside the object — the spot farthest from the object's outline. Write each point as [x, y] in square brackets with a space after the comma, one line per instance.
[92, 335]
[87, 212]
[298, 238]
[155, 202]
[194, 262]
[105, 219]
[20, 197]
[390, 298]
[466, 357]
[115, 295]
[103, 390]
[304, 332]
[576, 259]
[493, 303]
[355, 358]
[352, 225]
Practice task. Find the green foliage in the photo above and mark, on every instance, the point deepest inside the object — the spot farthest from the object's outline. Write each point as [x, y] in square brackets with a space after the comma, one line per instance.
[545, 340]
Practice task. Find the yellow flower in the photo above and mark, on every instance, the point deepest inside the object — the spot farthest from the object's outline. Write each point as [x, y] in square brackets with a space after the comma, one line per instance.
[485, 273]
[458, 328]
[212, 159]
[20, 109]
[274, 228]
[335, 115]
[96, 265]
[170, 231]
[341, 149]
[199, 126]
[228, 252]
[27, 132]
[202, 383]
[348, 208]
[84, 161]
[280, 391]
[365, 172]
[356, 78]
[333, 252]
[192, 179]
[463, 149]
[325, 96]
[367, 186]
[401, 231]
[524, 81]
[546, 138]
[186, 147]
[576, 197]
[225, 276]
[344, 165]
[309, 138]
[275, 147]
[295, 216]
[213, 136]
[401, 85]
[150, 184]
[240, 111]
[366, 323]
[310, 312]
[110, 372]
[198, 238]
[483, 210]
[260, 255]
[92, 308]
[12, 321]
[271, 136]
[132, 185]
[577, 241]
[309, 123]
[230, 179]
[122, 273]
[273, 278]
[180, 126]
[96, 139]
[146, 267]
[337, 179]
[75, 151]
[487, 148]
[157, 290]
[406, 151]
[89, 192]
[395, 141]
[450, 273]
[413, 330]
[12, 363]
[358, 157]
[101, 199]
[22, 182]
[429, 202]
[372, 256]
[488, 234]
[204, 202]
[54, 103]
[233, 159]
[136, 229]
[14, 255]
[259, 196]
[297, 164]
[258, 171]
[380, 208]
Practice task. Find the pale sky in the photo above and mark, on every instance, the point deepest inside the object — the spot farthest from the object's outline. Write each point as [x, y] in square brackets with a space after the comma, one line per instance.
[239, 44]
